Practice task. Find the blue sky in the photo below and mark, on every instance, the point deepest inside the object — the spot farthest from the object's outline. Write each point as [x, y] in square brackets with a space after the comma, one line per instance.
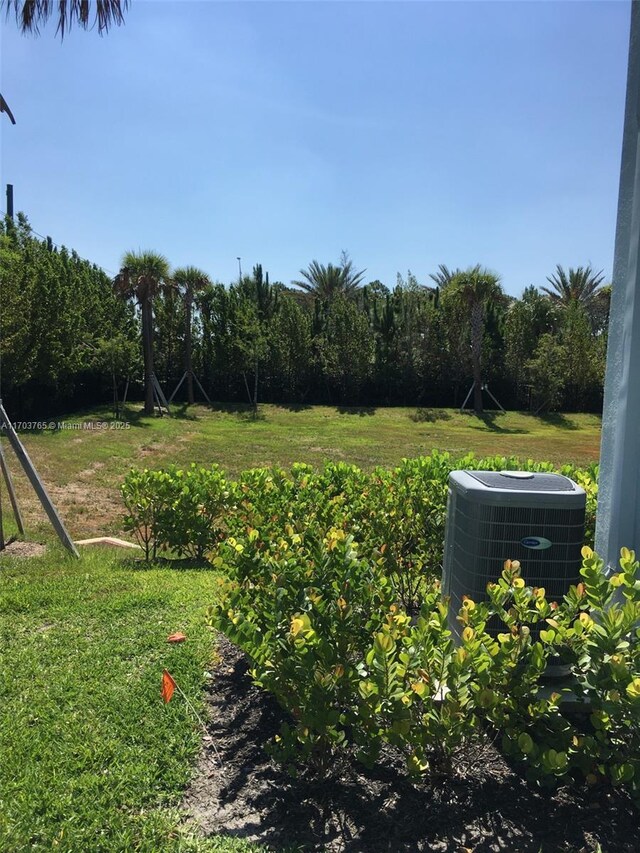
[410, 134]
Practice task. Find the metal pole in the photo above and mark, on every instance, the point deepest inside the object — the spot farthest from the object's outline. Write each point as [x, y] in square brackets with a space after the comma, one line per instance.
[1, 527]
[12, 494]
[38, 486]
[10, 201]
[467, 397]
[239, 272]
[177, 388]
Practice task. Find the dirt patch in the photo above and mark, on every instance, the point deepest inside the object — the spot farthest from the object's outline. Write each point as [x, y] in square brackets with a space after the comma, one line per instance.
[90, 509]
[485, 807]
[329, 451]
[150, 449]
[89, 472]
[23, 549]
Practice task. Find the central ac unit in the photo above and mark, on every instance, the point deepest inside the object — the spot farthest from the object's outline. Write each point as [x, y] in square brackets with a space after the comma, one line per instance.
[493, 516]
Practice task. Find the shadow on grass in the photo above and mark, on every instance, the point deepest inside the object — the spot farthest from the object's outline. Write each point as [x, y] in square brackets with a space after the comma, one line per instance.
[252, 415]
[137, 417]
[490, 421]
[295, 407]
[356, 410]
[245, 411]
[556, 419]
[175, 564]
[430, 416]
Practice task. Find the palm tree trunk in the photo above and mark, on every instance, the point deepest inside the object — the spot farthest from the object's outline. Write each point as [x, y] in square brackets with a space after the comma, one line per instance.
[476, 354]
[188, 302]
[147, 350]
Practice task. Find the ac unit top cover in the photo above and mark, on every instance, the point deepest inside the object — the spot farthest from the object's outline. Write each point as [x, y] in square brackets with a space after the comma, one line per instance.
[518, 488]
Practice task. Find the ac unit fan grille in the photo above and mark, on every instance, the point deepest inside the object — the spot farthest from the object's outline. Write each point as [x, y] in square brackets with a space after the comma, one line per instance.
[536, 483]
[486, 535]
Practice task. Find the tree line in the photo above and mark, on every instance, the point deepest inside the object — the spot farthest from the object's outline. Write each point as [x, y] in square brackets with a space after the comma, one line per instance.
[72, 335]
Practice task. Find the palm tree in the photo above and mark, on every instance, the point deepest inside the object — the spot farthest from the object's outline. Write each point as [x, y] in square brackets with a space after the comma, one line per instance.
[189, 280]
[476, 288]
[31, 14]
[444, 276]
[142, 276]
[580, 285]
[325, 282]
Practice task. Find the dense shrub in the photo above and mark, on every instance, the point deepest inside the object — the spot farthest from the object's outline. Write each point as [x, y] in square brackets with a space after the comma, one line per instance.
[399, 513]
[329, 583]
[176, 511]
[326, 635]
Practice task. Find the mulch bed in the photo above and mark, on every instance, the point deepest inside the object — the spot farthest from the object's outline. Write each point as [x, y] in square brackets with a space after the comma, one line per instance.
[485, 807]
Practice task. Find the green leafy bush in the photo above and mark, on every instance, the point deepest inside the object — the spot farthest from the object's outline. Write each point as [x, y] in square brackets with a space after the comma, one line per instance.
[399, 514]
[326, 634]
[177, 511]
[599, 638]
[304, 610]
[599, 629]
[330, 585]
[145, 495]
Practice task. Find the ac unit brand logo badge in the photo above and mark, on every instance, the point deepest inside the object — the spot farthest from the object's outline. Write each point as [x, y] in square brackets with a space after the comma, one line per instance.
[536, 543]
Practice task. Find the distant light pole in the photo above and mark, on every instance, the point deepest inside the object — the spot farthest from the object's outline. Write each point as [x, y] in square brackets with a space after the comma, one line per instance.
[239, 272]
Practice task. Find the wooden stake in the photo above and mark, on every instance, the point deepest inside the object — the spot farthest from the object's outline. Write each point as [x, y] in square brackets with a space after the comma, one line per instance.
[193, 376]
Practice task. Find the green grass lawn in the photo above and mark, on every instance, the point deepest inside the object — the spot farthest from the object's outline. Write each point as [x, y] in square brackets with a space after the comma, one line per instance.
[92, 759]
[84, 468]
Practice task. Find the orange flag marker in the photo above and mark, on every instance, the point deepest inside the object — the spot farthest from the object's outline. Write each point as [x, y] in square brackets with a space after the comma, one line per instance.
[168, 686]
[178, 637]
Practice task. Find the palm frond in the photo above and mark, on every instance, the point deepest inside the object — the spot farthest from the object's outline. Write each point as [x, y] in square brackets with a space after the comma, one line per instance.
[580, 285]
[30, 15]
[4, 108]
[192, 279]
[444, 276]
[325, 282]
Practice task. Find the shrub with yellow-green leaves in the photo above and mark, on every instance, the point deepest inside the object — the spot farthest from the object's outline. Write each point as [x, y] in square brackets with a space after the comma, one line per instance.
[331, 589]
[397, 514]
[595, 631]
[304, 610]
[599, 632]
[326, 634]
[178, 511]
